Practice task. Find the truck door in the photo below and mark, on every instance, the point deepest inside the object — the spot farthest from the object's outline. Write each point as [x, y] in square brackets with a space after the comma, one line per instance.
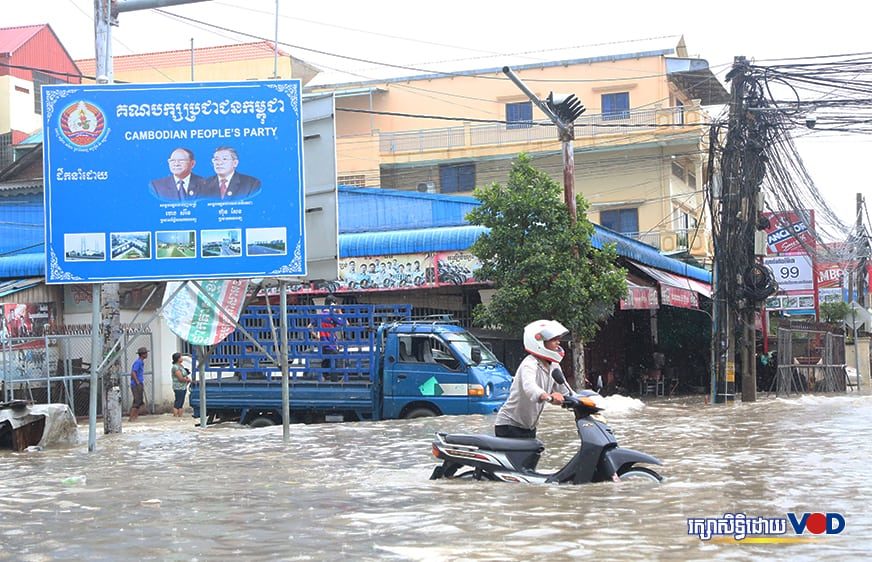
[427, 370]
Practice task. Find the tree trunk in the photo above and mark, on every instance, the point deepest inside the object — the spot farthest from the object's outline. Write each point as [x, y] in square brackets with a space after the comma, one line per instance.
[578, 364]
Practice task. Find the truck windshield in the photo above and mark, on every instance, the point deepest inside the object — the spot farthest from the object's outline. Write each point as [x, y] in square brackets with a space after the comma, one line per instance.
[463, 342]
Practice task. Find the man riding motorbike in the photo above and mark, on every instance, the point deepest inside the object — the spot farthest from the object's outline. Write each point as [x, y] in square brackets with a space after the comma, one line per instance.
[533, 385]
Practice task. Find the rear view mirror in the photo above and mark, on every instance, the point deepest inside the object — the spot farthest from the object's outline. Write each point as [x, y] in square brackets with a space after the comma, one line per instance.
[475, 353]
[557, 375]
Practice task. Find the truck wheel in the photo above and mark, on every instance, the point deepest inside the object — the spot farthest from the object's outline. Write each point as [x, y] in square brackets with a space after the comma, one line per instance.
[262, 421]
[419, 413]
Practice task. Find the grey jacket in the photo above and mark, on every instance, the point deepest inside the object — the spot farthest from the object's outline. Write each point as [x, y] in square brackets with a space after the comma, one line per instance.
[522, 409]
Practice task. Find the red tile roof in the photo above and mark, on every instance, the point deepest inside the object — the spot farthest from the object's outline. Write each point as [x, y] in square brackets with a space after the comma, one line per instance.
[12, 38]
[169, 59]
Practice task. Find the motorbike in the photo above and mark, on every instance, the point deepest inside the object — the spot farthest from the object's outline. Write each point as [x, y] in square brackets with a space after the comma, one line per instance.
[599, 458]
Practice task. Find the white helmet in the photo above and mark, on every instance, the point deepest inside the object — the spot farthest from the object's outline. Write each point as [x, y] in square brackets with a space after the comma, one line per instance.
[537, 333]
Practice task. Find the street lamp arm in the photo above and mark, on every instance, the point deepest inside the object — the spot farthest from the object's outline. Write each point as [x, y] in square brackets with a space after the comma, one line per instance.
[564, 129]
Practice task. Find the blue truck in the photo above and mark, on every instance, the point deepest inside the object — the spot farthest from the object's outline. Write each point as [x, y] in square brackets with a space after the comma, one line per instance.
[348, 363]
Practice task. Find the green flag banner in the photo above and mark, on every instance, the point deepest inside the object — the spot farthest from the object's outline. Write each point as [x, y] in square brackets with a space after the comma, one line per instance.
[194, 318]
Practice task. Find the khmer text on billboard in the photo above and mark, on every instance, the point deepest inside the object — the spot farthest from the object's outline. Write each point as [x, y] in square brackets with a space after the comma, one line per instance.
[181, 181]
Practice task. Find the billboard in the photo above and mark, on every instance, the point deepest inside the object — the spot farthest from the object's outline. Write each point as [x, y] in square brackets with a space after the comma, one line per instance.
[157, 182]
[792, 273]
[789, 232]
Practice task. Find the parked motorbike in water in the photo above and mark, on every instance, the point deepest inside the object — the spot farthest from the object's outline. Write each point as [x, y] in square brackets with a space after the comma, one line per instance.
[598, 458]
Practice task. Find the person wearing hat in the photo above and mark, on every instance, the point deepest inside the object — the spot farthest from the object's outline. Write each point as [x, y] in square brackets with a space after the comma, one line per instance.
[331, 323]
[137, 382]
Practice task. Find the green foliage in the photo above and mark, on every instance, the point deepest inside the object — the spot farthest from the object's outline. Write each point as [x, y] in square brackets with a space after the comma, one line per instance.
[528, 255]
[834, 311]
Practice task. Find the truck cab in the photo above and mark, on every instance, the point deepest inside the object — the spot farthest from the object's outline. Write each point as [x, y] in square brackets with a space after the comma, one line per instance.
[435, 368]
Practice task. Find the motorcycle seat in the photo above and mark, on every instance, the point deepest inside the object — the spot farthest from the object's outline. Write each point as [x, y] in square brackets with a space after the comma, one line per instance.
[496, 443]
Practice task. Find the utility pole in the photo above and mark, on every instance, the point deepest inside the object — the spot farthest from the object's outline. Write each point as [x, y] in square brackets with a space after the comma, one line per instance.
[562, 110]
[105, 16]
[740, 282]
[862, 255]
[723, 340]
[110, 315]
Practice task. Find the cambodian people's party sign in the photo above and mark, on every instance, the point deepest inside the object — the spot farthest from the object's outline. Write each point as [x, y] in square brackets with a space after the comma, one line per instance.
[154, 182]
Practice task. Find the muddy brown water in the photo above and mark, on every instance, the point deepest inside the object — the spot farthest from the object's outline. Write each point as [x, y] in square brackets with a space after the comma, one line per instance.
[166, 490]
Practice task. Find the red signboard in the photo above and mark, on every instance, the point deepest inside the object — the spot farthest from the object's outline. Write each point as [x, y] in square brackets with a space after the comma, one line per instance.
[790, 232]
[682, 298]
[640, 298]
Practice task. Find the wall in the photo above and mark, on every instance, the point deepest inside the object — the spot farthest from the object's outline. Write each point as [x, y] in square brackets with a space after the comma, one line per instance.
[16, 107]
[864, 362]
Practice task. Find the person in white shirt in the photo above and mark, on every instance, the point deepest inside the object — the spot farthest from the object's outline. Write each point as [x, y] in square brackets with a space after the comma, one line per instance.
[533, 385]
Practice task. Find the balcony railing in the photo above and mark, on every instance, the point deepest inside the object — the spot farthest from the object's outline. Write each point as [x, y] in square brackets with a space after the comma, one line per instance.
[694, 240]
[470, 135]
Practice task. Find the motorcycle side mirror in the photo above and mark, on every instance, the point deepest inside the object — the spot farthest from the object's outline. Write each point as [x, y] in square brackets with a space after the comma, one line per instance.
[557, 375]
[475, 353]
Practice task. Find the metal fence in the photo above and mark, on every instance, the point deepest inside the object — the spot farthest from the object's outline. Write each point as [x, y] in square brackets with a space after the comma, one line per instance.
[809, 361]
[56, 368]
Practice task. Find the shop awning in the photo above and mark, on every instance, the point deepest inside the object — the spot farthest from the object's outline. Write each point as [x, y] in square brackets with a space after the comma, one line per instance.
[677, 290]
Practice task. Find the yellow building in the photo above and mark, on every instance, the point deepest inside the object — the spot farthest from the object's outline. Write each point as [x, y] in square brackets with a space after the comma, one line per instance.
[639, 148]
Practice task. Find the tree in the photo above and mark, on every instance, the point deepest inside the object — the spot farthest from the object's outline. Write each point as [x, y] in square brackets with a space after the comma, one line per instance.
[540, 264]
[834, 312]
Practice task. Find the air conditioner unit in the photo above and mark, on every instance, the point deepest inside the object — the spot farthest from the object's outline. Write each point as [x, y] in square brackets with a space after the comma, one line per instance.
[427, 187]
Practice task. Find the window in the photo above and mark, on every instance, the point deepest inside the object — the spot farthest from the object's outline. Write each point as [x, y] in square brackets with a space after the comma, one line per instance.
[679, 112]
[456, 177]
[39, 79]
[616, 106]
[355, 180]
[625, 221]
[519, 115]
[678, 170]
[691, 179]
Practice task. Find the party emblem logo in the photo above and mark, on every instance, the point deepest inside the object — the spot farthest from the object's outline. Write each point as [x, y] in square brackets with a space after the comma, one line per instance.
[82, 126]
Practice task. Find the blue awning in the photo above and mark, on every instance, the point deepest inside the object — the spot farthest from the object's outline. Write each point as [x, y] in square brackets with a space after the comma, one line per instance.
[408, 241]
[22, 265]
[648, 255]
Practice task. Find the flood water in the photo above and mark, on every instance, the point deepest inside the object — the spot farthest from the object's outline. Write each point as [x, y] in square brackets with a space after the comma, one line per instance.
[167, 490]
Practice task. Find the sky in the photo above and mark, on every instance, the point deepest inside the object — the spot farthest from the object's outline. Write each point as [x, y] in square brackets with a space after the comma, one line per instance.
[452, 34]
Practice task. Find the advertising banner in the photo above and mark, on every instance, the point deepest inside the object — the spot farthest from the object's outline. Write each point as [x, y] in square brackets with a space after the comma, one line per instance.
[156, 182]
[792, 273]
[194, 318]
[788, 233]
[675, 296]
[406, 271]
[798, 303]
[640, 298]
[25, 320]
[456, 268]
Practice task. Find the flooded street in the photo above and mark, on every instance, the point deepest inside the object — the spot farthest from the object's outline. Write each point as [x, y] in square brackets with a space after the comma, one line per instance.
[167, 490]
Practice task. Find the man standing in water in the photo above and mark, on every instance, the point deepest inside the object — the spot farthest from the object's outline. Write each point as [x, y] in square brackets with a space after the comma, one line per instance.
[137, 382]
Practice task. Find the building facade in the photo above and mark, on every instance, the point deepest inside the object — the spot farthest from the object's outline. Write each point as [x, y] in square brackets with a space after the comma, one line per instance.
[639, 148]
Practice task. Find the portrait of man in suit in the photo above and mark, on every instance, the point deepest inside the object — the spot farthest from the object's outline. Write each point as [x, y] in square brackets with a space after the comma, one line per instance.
[227, 183]
[182, 184]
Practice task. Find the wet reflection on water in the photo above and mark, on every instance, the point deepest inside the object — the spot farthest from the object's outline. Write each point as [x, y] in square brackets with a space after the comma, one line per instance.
[166, 490]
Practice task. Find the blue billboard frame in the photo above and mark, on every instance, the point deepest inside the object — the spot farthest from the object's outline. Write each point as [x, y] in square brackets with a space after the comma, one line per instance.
[159, 182]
